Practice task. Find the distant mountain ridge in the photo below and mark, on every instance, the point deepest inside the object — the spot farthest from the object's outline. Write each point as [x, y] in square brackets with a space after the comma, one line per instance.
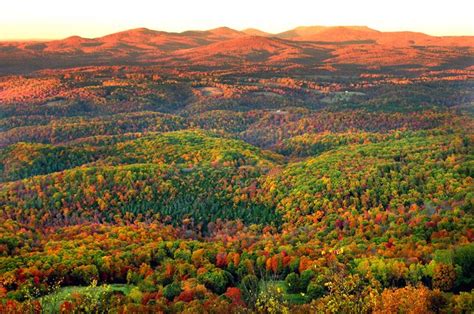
[305, 46]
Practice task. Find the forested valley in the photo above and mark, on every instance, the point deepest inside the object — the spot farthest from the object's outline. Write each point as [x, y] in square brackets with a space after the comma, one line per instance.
[193, 189]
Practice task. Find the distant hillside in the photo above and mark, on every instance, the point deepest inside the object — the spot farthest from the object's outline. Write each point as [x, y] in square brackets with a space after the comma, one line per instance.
[297, 48]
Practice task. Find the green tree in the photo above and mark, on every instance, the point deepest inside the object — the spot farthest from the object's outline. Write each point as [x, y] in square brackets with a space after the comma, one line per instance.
[172, 290]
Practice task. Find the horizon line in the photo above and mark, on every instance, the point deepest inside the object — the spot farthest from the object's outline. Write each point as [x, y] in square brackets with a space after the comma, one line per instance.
[39, 39]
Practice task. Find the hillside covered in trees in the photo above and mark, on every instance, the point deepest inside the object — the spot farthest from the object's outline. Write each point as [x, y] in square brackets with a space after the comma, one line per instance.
[224, 184]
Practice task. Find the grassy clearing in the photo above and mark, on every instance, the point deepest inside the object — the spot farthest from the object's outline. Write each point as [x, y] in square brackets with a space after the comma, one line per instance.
[51, 303]
[291, 298]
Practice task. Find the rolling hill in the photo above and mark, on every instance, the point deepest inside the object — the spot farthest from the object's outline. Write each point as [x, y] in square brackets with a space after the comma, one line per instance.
[361, 45]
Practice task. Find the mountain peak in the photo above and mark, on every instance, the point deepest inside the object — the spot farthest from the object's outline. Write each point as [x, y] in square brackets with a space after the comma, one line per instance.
[329, 33]
[225, 31]
[74, 39]
[255, 32]
[134, 33]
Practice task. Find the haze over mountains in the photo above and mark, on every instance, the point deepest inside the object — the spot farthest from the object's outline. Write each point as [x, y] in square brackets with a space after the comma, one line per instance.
[302, 48]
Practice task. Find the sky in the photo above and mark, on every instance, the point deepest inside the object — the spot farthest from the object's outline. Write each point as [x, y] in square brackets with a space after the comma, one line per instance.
[54, 19]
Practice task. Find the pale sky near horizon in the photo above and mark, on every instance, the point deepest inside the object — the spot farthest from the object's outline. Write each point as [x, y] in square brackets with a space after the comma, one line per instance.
[52, 19]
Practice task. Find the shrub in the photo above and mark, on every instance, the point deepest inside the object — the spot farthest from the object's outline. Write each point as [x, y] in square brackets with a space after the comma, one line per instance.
[463, 303]
[136, 295]
[315, 290]
[271, 300]
[294, 283]
[464, 257]
[444, 276]
[404, 300]
[216, 281]
[85, 274]
[249, 287]
[171, 291]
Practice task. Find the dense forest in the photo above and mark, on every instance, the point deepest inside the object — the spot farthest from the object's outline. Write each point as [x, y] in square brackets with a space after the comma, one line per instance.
[142, 189]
